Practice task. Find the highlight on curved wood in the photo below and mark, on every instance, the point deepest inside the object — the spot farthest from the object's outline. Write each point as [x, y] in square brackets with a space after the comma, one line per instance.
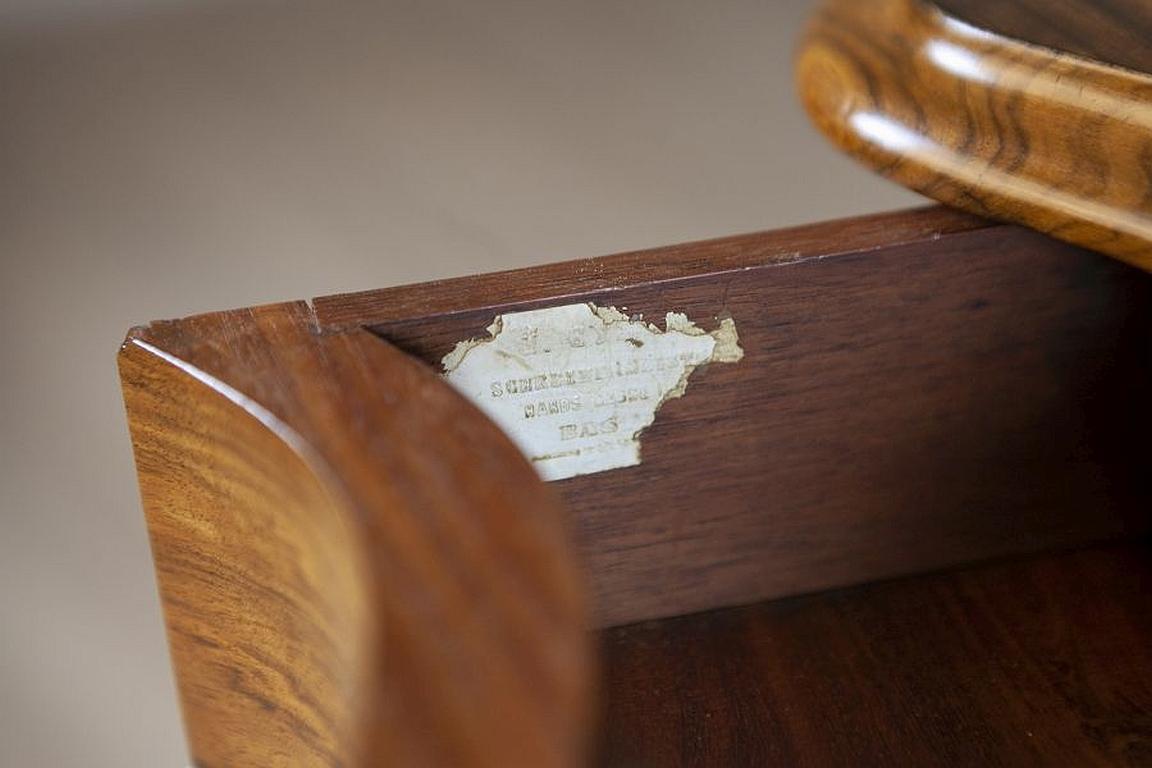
[419, 607]
[986, 123]
[1109, 31]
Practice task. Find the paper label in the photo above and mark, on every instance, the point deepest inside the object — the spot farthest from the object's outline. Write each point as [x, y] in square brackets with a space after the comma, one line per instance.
[575, 385]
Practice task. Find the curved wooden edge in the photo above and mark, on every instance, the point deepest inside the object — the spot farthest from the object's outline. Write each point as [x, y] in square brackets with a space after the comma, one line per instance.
[356, 567]
[986, 123]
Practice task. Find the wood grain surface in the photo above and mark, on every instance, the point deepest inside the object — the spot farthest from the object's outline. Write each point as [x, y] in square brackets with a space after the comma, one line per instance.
[957, 392]
[988, 123]
[1115, 32]
[1035, 663]
[356, 568]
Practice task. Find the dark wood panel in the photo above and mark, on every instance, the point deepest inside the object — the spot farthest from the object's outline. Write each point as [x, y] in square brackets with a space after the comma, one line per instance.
[1111, 31]
[653, 265]
[954, 396]
[1046, 662]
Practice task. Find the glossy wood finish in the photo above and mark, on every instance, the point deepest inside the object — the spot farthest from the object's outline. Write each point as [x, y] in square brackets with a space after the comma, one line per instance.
[356, 568]
[988, 123]
[1036, 663]
[918, 390]
[1115, 32]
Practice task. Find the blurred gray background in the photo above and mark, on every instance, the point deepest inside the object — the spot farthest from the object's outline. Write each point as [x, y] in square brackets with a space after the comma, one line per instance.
[165, 157]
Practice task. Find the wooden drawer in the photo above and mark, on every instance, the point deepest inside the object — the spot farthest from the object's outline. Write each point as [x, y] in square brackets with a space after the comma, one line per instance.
[358, 567]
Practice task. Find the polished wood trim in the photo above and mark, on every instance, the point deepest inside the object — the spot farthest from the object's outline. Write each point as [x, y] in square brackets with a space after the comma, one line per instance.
[356, 567]
[984, 122]
[1115, 32]
[1043, 662]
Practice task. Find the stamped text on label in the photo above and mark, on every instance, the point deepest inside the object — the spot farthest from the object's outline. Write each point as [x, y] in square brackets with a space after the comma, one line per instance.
[574, 386]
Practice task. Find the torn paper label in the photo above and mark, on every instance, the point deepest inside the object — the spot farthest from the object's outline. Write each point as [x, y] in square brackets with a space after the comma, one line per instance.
[574, 386]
